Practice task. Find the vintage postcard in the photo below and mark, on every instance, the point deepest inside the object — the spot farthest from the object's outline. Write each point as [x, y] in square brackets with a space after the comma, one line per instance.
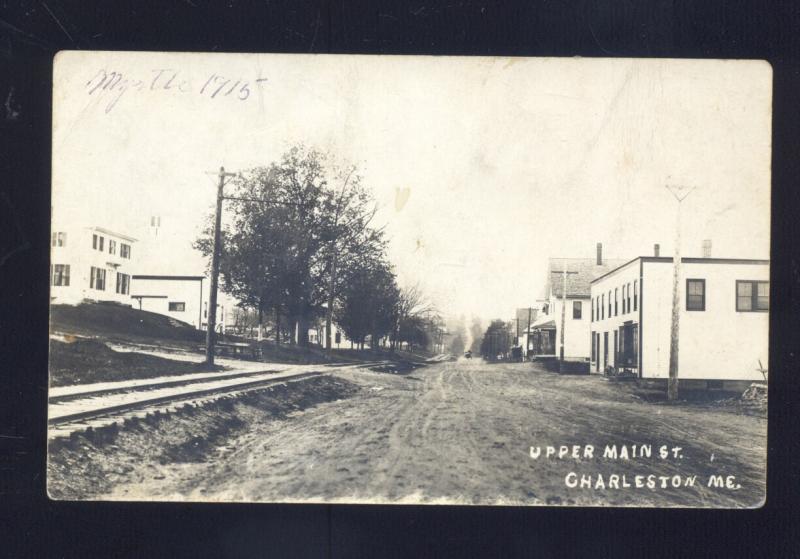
[409, 279]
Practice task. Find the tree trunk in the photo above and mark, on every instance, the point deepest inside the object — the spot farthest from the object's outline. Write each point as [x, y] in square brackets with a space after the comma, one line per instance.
[302, 331]
[331, 297]
[260, 321]
[277, 326]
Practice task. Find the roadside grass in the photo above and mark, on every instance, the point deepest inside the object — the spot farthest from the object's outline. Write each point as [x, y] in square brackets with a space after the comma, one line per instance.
[83, 357]
[115, 322]
[89, 361]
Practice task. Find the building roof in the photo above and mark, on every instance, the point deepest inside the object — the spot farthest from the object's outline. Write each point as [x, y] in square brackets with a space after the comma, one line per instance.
[585, 270]
[114, 233]
[685, 260]
[549, 325]
[168, 278]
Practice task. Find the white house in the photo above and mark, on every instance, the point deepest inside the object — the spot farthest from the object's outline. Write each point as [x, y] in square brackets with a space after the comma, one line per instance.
[316, 335]
[90, 263]
[179, 297]
[546, 330]
[724, 319]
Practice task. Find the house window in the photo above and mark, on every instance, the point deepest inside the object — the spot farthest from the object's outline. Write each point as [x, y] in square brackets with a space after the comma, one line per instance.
[97, 279]
[98, 242]
[123, 283]
[695, 294]
[752, 296]
[205, 309]
[624, 308]
[603, 306]
[58, 239]
[616, 306]
[112, 246]
[628, 297]
[177, 307]
[59, 274]
[635, 295]
[577, 310]
[124, 250]
[592, 309]
[609, 304]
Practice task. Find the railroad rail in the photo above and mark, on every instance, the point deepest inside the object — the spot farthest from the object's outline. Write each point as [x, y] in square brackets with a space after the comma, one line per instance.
[76, 410]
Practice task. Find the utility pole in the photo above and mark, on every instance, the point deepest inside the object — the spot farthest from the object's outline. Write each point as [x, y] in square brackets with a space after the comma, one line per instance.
[680, 193]
[564, 273]
[215, 254]
[528, 333]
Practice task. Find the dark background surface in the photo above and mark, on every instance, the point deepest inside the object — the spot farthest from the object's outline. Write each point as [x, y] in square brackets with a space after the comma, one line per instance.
[31, 33]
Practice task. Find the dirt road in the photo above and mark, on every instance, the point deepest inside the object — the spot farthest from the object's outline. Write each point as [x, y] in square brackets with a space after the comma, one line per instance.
[462, 433]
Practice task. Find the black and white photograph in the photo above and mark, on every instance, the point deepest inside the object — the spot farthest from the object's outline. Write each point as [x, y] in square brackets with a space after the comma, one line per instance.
[384, 279]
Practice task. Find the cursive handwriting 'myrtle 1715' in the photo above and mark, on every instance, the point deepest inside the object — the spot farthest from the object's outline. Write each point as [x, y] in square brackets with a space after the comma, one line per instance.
[115, 85]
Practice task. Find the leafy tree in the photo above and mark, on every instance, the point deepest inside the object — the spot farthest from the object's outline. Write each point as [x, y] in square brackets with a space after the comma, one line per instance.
[368, 302]
[476, 332]
[412, 331]
[496, 340]
[293, 229]
[411, 310]
[457, 342]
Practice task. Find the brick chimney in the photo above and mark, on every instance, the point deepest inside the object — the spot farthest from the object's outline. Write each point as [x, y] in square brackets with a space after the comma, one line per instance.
[599, 254]
[656, 249]
[707, 248]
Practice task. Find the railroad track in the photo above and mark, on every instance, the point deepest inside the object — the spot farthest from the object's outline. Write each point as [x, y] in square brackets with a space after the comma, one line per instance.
[75, 410]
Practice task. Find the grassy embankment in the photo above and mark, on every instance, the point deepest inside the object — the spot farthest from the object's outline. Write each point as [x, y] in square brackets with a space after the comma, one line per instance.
[80, 354]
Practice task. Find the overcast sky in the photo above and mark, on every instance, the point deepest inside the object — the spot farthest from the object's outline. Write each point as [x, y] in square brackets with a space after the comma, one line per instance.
[482, 167]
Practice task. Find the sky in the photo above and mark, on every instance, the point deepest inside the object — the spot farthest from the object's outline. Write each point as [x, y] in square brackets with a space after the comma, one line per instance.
[482, 167]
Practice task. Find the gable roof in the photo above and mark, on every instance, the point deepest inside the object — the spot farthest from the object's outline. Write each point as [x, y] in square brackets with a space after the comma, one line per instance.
[585, 271]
